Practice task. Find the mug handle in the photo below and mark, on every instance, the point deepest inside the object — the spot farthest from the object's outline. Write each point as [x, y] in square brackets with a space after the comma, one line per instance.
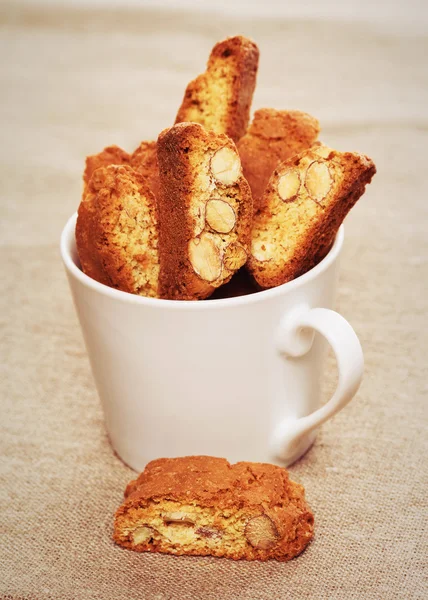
[294, 339]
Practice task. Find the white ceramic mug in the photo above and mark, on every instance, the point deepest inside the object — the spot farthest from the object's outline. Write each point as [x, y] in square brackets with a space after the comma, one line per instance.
[236, 377]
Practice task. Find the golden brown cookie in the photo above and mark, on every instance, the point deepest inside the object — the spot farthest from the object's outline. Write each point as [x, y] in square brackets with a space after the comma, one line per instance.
[305, 202]
[117, 231]
[220, 99]
[273, 137]
[112, 155]
[205, 211]
[143, 159]
[200, 505]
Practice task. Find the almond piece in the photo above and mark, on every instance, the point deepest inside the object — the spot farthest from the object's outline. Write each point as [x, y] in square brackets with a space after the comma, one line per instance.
[318, 180]
[205, 258]
[261, 532]
[209, 532]
[288, 186]
[226, 166]
[220, 216]
[141, 535]
[178, 517]
[235, 257]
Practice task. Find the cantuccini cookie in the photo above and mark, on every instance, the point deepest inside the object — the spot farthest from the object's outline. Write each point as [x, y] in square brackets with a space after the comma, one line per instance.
[205, 211]
[220, 99]
[112, 155]
[273, 137]
[117, 231]
[199, 505]
[143, 159]
[305, 202]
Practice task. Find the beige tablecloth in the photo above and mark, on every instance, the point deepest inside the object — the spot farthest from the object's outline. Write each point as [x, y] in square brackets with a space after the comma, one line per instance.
[75, 80]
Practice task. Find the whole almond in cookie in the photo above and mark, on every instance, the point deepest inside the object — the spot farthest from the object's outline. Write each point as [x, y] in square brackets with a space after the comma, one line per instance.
[220, 216]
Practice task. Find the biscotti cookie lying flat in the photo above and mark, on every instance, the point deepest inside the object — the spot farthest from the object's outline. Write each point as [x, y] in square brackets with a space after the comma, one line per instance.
[273, 137]
[199, 505]
[116, 231]
[205, 211]
[220, 99]
[305, 202]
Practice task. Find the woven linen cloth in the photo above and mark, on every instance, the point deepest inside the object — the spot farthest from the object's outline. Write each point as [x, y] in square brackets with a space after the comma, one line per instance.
[76, 79]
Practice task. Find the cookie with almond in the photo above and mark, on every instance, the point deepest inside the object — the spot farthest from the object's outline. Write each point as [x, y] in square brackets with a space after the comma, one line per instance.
[304, 204]
[201, 505]
[205, 211]
[273, 137]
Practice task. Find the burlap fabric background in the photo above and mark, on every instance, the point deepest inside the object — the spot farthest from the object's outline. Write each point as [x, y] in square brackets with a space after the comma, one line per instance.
[73, 81]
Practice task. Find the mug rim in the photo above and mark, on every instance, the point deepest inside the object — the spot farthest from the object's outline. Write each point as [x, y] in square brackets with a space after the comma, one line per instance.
[68, 239]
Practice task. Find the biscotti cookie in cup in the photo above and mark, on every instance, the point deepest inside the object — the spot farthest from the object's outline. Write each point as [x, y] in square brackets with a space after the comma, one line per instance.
[303, 206]
[205, 208]
[117, 231]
